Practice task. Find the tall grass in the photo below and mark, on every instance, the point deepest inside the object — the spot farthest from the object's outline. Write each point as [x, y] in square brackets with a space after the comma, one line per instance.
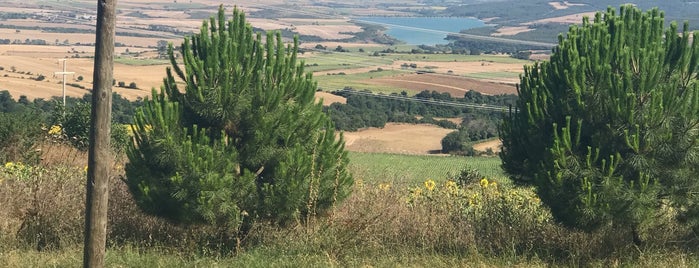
[389, 220]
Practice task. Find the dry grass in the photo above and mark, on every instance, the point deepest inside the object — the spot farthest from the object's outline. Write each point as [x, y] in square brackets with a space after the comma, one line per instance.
[494, 145]
[568, 19]
[511, 30]
[563, 5]
[455, 85]
[329, 98]
[381, 223]
[397, 138]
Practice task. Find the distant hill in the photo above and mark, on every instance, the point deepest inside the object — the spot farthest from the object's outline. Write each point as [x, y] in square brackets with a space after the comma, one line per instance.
[542, 20]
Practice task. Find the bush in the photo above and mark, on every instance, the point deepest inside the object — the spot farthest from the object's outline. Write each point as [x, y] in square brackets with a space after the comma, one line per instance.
[239, 144]
[20, 134]
[605, 131]
[42, 207]
[74, 126]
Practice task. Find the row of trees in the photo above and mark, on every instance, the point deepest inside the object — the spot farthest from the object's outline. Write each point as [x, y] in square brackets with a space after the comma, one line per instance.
[364, 109]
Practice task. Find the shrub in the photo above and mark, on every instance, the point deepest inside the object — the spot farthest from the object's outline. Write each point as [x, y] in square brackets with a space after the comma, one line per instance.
[243, 141]
[20, 133]
[605, 131]
[42, 207]
[75, 124]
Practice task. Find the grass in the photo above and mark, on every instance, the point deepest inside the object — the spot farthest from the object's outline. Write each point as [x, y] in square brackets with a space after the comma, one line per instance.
[342, 60]
[415, 169]
[375, 227]
[454, 58]
[141, 62]
[492, 75]
[357, 81]
[277, 257]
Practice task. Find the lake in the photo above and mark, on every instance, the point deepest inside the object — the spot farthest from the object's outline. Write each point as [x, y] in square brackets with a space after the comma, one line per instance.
[423, 30]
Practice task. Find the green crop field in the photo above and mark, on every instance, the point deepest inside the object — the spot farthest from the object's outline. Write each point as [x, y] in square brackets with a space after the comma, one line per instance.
[454, 58]
[492, 75]
[356, 81]
[342, 60]
[141, 62]
[415, 169]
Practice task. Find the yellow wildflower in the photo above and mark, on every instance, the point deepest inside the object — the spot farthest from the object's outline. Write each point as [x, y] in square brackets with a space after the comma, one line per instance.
[417, 192]
[494, 184]
[451, 186]
[55, 130]
[430, 184]
[384, 186]
[484, 183]
[9, 165]
[85, 170]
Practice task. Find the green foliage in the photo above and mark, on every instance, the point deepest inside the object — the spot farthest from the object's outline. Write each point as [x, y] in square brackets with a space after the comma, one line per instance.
[412, 169]
[75, 122]
[366, 110]
[607, 130]
[456, 143]
[243, 140]
[19, 135]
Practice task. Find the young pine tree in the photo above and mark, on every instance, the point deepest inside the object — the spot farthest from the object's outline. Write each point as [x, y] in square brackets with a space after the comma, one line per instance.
[607, 130]
[238, 137]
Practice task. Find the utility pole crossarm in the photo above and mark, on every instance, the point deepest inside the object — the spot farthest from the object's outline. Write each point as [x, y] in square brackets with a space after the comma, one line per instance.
[64, 73]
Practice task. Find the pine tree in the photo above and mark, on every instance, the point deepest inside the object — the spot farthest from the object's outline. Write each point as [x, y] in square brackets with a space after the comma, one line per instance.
[607, 130]
[244, 140]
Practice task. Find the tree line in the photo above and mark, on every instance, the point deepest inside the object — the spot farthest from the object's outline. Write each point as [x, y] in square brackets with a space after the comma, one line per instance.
[364, 109]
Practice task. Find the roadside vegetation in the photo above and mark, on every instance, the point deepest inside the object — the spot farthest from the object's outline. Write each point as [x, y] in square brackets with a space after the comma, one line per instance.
[599, 160]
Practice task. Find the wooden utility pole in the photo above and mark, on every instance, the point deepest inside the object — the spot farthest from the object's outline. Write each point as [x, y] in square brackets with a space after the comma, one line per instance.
[64, 73]
[99, 157]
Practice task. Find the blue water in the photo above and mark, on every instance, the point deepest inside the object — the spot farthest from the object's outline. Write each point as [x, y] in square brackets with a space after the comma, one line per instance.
[423, 30]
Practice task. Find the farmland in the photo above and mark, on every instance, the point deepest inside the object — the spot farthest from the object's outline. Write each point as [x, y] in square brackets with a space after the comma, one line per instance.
[409, 170]
[409, 204]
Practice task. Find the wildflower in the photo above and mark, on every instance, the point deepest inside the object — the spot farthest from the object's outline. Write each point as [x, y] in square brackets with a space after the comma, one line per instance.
[85, 169]
[430, 184]
[9, 165]
[384, 186]
[55, 130]
[494, 184]
[484, 183]
[451, 186]
[417, 192]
